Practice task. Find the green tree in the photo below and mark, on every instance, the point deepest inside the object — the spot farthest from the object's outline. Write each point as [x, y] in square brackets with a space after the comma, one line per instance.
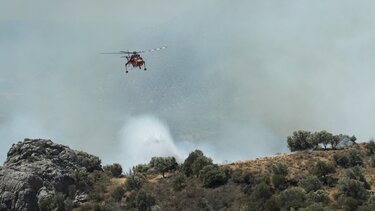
[212, 176]
[114, 170]
[323, 137]
[195, 162]
[353, 139]
[187, 169]
[200, 163]
[299, 140]
[141, 168]
[163, 164]
[335, 141]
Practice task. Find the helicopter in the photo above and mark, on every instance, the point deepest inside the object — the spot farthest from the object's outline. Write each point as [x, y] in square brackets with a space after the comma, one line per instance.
[134, 58]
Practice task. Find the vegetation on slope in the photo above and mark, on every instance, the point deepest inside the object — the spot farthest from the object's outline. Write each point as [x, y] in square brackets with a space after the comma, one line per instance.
[319, 177]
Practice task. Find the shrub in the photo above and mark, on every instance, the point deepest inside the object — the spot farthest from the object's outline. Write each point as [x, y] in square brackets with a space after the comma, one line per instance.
[134, 181]
[316, 207]
[356, 173]
[99, 181]
[81, 180]
[237, 176]
[212, 176]
[367, 207]
[97, 176]
[279, 169]
[262, 191]
[45, 204]
[203, 204]
[114, 170]
[141, 200]
[322, 170]
[319, 196]
[90, 162]
[56, 202]
[372, 162]
[355, 158]
[342, 159]
[370, 148]
[348, 203]
[68, 204]
[278, 181]
[351, 188]
[179, 182]
[348, 159]
[271, 204]
[292, 198]
[310, 183]
[118, 193]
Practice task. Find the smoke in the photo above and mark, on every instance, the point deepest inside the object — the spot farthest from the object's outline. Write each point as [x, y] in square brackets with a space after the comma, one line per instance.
[236, 79]
[144, 137]
[19, 128]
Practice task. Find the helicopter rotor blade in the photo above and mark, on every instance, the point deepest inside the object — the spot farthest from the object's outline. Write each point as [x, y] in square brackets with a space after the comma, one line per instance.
[130, 52]
[136, 52]
[114, 53]
[154, 49]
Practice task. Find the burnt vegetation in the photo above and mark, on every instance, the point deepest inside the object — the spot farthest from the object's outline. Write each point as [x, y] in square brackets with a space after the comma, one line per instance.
[324, 172]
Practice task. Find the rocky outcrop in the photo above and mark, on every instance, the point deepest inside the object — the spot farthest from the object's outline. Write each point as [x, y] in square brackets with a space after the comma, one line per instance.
[36, 169]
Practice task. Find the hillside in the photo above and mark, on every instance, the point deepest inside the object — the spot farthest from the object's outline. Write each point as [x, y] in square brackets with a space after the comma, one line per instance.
[334, 179]
[252, 185]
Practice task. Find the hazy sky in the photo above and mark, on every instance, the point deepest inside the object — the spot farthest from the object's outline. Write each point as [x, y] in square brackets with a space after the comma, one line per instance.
[236, 79]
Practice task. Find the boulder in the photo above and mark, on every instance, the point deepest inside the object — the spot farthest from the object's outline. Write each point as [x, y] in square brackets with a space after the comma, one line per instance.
[36, 169]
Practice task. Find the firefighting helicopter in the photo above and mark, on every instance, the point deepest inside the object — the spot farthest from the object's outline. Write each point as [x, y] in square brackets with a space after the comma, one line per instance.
[134, 58]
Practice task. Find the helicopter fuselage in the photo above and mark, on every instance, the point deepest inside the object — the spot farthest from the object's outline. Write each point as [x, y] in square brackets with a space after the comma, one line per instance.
[135, 60]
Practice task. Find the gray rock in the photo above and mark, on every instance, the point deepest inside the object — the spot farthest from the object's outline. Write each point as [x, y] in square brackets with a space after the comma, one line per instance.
[36, 169]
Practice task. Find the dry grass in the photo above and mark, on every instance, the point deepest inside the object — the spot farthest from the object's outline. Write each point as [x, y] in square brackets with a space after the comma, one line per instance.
[118, 181]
